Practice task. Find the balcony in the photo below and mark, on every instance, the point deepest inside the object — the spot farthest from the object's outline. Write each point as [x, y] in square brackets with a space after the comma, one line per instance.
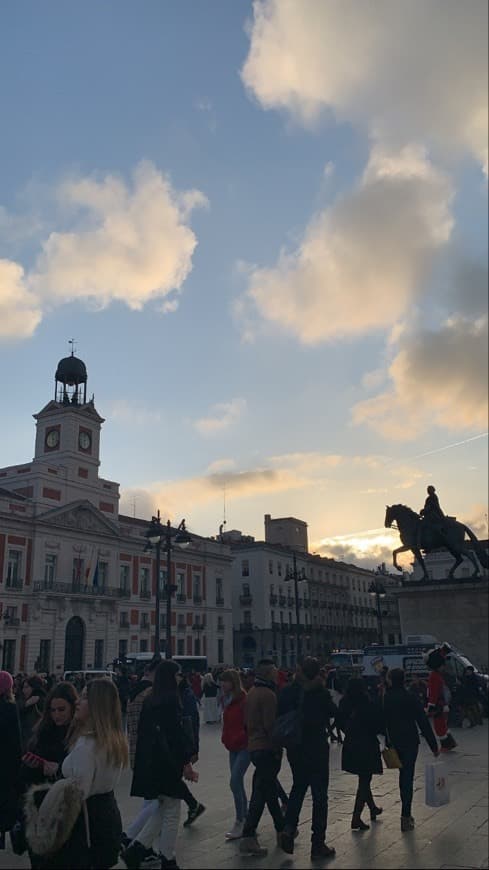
[275, 626]
[124, 592]
[56, 587]
[181, 597]
[124, 622]
[307, 602]
[144, 624]
[273, 600]
[197, 599]
[315, 603]
[145, 593]
[181, 626]
[220, 602]
[220, 627]
[290, 601]
[246, 600]
[282, 600]
[14, 583]
[246, 626]
[12, 621]
[198, 626]
[300, 602]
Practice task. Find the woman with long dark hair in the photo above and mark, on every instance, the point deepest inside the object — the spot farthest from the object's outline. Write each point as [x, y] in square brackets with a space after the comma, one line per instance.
[48, 741]
[361, 720]
[163, 756]
[30, 705]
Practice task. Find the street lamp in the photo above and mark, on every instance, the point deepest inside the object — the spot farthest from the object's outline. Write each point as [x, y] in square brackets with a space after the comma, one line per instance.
[377, 591]
[297, 577]
[164, 537]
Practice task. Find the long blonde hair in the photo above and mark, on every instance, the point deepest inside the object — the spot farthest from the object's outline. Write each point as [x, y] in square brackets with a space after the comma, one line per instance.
[233, 676]
[105, 721]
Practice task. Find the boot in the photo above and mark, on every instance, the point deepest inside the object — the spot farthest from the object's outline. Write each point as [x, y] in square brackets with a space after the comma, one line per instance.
[251, 847]
[285, 841]
[407, 823]
[375, 811]
[133, 855]
[356, 822]
[322, 851]
[236, 831]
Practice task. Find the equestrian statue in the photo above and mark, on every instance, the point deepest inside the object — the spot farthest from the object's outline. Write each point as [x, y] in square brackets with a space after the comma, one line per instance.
[432, 530]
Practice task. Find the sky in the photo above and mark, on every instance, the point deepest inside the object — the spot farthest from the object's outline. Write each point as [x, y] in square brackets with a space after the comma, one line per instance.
[265, 225]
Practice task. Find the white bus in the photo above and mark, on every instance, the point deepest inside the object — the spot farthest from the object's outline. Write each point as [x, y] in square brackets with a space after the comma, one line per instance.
[138, 661]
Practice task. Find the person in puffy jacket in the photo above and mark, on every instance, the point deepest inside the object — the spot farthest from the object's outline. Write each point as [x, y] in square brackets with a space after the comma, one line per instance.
[403, 716]
[235, 739]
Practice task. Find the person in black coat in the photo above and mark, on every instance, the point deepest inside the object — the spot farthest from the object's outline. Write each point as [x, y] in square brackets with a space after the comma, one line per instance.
[162, 759]
[403, 716]
[361, 720]
[10, 755]
[309, 760]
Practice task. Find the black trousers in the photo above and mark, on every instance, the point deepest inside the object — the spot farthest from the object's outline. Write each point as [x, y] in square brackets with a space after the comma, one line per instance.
[264, 791]
[314, 774]
[364, 794]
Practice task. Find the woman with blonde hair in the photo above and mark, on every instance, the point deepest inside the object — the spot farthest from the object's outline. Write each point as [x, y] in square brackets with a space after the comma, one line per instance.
[235, 739]
[98, 754]
[10, 755]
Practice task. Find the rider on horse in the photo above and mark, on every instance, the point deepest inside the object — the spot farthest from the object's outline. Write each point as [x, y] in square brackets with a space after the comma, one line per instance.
[432, 517]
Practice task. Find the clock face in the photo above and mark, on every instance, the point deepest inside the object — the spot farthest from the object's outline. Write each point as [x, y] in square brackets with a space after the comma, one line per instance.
[52, 438]
[85, 440]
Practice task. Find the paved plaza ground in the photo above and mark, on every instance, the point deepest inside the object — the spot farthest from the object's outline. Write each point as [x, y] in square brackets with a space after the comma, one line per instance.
[454, 836]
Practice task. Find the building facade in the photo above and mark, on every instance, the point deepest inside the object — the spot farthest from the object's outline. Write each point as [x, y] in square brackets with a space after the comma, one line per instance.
[335, 608]
[77, 588]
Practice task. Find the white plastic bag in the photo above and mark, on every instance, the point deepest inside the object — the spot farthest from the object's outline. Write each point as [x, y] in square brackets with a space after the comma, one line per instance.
[437, 792]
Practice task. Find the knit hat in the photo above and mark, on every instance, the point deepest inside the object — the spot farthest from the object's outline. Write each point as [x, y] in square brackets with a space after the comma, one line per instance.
[6, 682]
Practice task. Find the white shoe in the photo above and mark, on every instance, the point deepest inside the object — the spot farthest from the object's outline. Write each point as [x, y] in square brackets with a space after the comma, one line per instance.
[236, 831]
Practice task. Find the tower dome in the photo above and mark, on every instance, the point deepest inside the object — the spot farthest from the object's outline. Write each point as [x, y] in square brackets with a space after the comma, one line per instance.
[70, 377]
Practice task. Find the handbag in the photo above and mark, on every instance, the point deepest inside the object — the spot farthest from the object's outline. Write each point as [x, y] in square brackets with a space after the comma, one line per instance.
[287, 728]
[389, 753]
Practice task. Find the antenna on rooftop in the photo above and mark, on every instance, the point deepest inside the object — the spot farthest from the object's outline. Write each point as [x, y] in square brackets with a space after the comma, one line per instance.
[72, 341]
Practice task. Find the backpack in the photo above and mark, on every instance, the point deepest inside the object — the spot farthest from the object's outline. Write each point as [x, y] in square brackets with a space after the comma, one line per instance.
[287, 728]
[51, 812]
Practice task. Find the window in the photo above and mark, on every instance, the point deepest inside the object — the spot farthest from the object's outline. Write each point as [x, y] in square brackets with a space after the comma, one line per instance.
[290, 617]
[144, 579]
[281, 617]
[8, 658]
[45, 656]
[245, 568]
[98, 660]
[180, 646]
[272, 615]
[220, 623]
[220, 650]
[196, 587]
[219, 593]
[50, 568]
[13, 567]
[180, 583]
[270, 566]
[279, 569]
[245, 589]
[122, 648]
[247, 617]
[103, 574]
[124, 577]
[143, 645]
[197, 646]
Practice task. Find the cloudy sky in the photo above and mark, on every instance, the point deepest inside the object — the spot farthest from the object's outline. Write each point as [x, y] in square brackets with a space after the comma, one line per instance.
[266, 226]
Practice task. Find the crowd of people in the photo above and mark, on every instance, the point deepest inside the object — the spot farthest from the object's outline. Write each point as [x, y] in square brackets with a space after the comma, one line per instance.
[64, 745]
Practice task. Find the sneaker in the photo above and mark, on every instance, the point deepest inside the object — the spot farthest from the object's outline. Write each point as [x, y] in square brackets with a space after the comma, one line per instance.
[251, 847]
[134, 855]
[285, 841]
[236, 831]
[322, 851]
[193, 814]
[407, 823]
[151, 861]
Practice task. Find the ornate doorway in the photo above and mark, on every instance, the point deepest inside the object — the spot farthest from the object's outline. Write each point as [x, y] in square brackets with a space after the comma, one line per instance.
[74, 644]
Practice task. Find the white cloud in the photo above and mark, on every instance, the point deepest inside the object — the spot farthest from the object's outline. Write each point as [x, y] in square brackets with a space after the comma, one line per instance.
[436, 378]
[221, 465]
[367, 549]
[130, 243]
[403, 70]
[132, 414]
[362, 262]
[221, 416]
[20, 312]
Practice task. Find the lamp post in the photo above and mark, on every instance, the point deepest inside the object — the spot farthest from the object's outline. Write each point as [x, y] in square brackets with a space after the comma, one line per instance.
[164, 537]
[297, 577]
[377, 591]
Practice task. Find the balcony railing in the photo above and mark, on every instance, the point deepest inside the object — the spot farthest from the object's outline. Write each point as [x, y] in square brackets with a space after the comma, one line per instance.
[145, 593]
[124, 623]
[246, 626]
[181, 597]
[57, 587]
[14, 583]
[198, 626]
[220, 602]
[12, 621]
[144, 624]
[197, 599]
[290, 602]
[125, 591]
[282, 600]
[273, 600]
[245, 600]
[220, 627]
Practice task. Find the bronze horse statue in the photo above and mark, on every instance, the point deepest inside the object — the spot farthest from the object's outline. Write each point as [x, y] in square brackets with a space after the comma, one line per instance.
[419, 537]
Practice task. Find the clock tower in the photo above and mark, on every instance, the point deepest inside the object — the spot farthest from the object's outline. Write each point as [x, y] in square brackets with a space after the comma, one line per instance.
[68, 427]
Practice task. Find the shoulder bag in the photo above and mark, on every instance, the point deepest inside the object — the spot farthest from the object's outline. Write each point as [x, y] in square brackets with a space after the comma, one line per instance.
[389, 753]
[287, 728]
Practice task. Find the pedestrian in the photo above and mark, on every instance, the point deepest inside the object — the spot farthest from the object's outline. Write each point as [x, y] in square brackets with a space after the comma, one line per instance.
[97, 756]
[10, 756]
[470, 695]
[196, 685]
[260, 714]
[403, 713]
[162, 758]
[361, 720]
[30, 705]
[210, 691]
[191, 726]
[235, 739]
[309, 759]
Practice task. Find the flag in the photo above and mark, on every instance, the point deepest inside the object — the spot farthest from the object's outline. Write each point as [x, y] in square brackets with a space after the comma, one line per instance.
[91, 574]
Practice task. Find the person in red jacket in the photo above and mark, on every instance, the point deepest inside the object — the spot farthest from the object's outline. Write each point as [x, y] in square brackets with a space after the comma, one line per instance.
[235, 739]
[439, 696]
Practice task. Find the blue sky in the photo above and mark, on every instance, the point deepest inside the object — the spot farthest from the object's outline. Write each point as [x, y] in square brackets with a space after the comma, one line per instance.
[332, 223]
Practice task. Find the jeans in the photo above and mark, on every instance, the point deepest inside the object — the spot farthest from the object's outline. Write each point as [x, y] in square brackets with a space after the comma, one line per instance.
[267, 765]
[314, 774]
[239, 763]
[406, 777]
